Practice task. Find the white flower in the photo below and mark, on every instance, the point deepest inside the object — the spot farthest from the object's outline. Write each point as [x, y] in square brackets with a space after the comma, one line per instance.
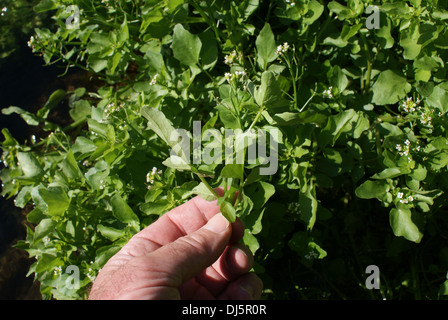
[409, 105]
[154, 80]
[282, 49]
[230, 58]
[400, 195]
[328, 93]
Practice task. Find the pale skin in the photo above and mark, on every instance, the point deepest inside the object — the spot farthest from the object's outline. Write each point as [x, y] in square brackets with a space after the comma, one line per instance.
[191, 252]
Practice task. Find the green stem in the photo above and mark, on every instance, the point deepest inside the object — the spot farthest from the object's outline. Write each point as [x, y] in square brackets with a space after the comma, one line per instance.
[257, 117]
[208, 186]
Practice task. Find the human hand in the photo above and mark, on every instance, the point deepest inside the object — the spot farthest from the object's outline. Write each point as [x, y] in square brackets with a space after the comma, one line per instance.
[191, 252]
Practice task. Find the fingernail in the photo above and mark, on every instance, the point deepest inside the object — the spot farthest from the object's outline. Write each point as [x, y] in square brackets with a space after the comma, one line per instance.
[217, 224]
[246, 291]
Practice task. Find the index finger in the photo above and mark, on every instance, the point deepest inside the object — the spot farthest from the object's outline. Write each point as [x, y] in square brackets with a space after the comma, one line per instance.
[177, 223]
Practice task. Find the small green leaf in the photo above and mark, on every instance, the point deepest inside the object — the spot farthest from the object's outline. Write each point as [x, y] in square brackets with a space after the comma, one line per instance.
[228, 211]
[266, 47]
[158, 123]
[269, 93]
[308, 207]
[44, 227]
[52, 201]
[110, 233]
[29, 118]
[233, 171]
[123, 212]
[202, 191]
[389, 173]
[402, 225]
[30, 166]
[52, 102]
[157, 208]
[390, 88]
[186, 46]
[45, 5]
[372, 189]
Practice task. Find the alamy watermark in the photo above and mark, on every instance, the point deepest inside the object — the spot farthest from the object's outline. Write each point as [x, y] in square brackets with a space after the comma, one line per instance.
[72, 22]
[373, 21]
[373, 280]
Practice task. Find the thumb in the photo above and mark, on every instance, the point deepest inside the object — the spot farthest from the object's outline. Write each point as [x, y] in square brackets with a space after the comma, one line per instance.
[188, 256]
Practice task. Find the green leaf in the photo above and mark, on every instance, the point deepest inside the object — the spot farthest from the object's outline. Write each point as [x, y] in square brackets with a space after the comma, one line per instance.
[438, 99]
[228, 118]
[308, 207]
[110, 233]
[45, 5]
[338, 79]
[70, 167]
[157, 208]
[295, 118]
[123, 212]
[103, 254]
[158, 123]
[30, 166]
[29, 118]
[9, 139]
[336, 125]
[233, 171]
[402, 225]
[202, 191]
[186, 46]
[44, 227]
[269, 93]
[52, 201]
[209, 49]
[341, 11]
[390, 173]
[315, 10]
[372, 189]
[266, 47]
[390, 88]
[52, 102]
[228, 211]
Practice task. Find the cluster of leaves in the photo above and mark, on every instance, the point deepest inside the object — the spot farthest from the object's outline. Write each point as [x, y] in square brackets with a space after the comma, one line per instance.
[362, 145]
[17, 21]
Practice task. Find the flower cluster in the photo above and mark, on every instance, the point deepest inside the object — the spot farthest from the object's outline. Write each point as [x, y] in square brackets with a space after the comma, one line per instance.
[328, 94]
[403, 150]
[58, 271]
[293, 207]
[150, 176]
[403, 199]
[4, 9]
[238, 75]
[282, 49]
[91, 274]
[31, 42]
[230, 58]
[111, 108]
[290, 3]
[425, 115]
[154, 80]
[409, 105]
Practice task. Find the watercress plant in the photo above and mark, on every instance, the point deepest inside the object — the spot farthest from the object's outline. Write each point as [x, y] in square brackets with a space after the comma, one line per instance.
[357, 117]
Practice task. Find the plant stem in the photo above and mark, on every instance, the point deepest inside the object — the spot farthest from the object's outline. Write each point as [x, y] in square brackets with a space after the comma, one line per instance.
[208, 186]
[257, 117]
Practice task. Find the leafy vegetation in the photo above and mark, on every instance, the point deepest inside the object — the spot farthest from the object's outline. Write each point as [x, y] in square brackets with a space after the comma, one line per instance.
[362, 146]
